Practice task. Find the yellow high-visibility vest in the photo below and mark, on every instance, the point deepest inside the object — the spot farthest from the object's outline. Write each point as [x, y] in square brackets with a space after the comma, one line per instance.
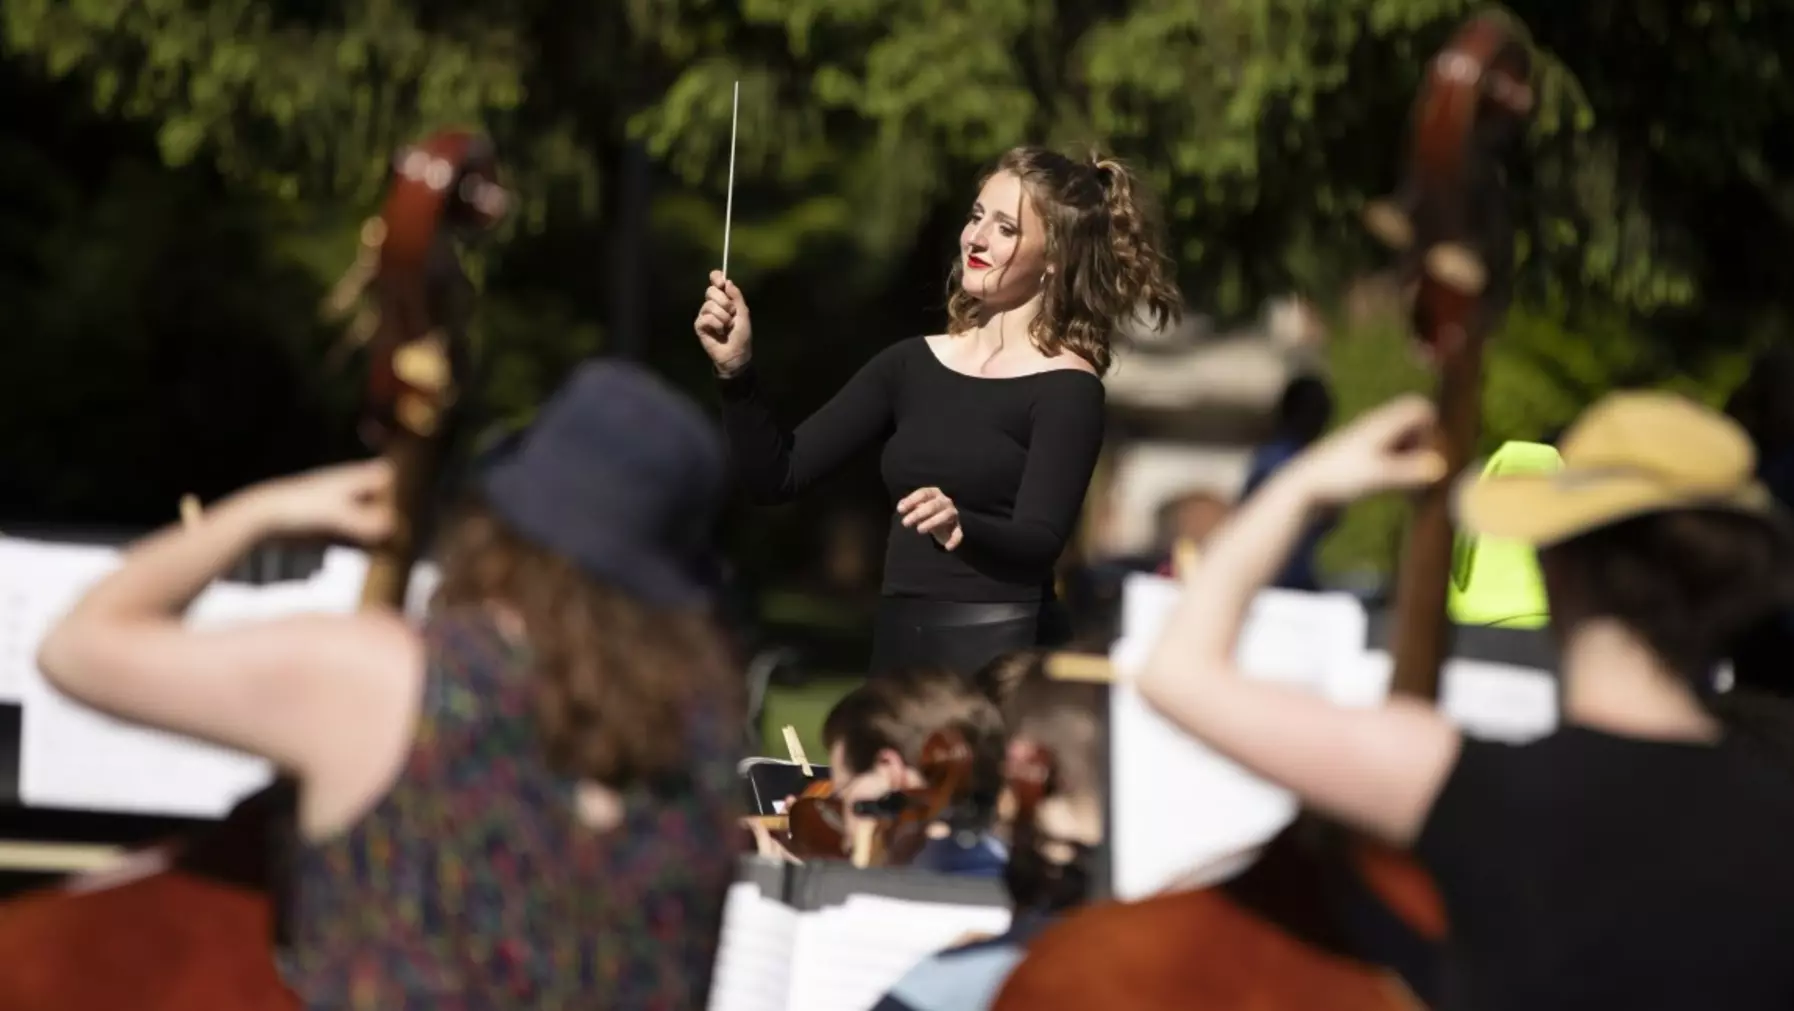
[1496, 581]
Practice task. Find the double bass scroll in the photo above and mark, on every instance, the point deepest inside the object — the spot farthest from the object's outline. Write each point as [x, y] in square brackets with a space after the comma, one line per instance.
[1449, 221]
[192, 923]
[445, 194]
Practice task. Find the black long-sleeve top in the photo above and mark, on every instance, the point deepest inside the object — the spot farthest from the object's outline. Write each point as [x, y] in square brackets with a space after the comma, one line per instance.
[1014, 454]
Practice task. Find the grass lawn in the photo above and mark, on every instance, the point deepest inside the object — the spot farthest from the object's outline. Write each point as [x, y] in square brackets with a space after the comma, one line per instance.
[804, 707]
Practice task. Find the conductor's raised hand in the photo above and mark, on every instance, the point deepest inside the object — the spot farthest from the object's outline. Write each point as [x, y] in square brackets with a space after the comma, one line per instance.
[724, 327]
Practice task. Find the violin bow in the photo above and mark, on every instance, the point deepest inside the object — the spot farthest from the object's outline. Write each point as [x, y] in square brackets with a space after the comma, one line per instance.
[1449, 220]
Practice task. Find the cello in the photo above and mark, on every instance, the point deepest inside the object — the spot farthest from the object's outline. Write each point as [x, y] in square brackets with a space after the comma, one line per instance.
[193, 922]
[1278, 935]
[895, 827]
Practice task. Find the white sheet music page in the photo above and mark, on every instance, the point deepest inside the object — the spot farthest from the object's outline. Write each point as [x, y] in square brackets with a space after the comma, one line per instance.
[1220, 810]
[754, 955]
[1488, 700]
[75, 757]
[1499, 701]
[39, 582]
[846, 957]
[338, 580]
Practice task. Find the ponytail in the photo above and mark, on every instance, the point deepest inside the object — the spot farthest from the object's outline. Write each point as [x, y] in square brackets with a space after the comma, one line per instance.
[1143, 269]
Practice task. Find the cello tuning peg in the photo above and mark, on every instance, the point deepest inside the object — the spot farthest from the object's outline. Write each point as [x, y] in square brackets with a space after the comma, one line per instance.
[1457, 267]
[487, 198]
[347, 292]
[357, 335]
[1389, 223]
[417, 415]
[373, 234]
[422, 364]
[1516, 96]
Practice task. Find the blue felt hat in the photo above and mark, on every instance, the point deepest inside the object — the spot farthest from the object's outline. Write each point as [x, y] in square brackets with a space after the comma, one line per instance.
[623, 476]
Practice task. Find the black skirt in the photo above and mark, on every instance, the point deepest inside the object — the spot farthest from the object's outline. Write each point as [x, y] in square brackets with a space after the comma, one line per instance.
[911, 633]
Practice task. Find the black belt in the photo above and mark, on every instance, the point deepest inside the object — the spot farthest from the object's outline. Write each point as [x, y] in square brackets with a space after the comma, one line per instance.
[953, 613]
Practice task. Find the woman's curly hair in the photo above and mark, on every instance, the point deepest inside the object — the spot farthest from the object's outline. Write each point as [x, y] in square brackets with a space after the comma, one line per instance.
[1106, 247]
[616, 681]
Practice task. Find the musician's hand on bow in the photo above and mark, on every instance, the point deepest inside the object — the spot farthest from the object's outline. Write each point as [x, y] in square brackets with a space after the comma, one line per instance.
[724, 327]
[1389, 448]
[765, 845]
[351, 500]
[930, 511]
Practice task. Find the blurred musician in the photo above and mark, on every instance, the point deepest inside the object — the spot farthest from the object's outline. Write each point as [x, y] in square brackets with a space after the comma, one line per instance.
[526, 803]
[875, 736]
[1636, 857]
[1048, 869]
[1303, 414]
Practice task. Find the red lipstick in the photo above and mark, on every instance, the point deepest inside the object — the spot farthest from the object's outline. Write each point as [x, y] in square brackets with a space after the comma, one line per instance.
[977, 262]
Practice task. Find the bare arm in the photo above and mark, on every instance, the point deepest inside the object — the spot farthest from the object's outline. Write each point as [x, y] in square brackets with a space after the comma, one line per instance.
[1377, 769]
[295, 690]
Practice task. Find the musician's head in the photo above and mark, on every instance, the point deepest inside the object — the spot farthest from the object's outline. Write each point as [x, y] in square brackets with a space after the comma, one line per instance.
[1305, 409]
[1654, 533]
[875, 735]
[591, 532]
[1076, 236]
[1191, 516]
[1004, 674]
[1056, 725]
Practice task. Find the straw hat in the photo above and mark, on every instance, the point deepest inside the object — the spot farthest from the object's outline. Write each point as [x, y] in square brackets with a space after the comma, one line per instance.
[1629, 455]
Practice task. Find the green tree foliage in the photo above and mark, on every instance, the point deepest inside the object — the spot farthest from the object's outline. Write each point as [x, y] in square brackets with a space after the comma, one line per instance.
[1263, 124]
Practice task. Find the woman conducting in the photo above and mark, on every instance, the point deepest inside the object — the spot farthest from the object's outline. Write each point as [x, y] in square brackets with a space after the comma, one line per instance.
[987, 433]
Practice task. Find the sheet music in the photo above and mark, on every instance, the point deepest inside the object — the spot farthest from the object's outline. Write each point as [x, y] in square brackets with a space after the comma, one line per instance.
[846, 957]
[1221, 810]
[1489, 700]
[340, 576]
[72, 756]
[753, 957]
[39, 582]
[1498, 701]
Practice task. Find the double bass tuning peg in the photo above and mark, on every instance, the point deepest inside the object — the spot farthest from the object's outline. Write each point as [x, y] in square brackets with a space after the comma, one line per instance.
[1457, 267]
[1390, 223]
[1513, 95]
[354, 282]
[1453, 264]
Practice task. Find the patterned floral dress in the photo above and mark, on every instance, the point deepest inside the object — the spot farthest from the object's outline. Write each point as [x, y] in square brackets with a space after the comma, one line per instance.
[473, 885]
